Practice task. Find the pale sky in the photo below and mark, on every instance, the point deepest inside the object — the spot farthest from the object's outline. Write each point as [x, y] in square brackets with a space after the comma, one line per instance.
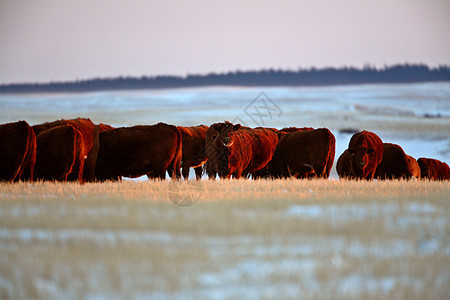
[60, 40]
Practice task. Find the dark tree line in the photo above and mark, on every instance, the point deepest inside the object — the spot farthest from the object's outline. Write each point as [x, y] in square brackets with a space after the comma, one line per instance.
[405, 73]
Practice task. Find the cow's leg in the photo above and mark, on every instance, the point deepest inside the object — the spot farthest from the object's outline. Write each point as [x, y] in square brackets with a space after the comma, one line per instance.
[198, 172]
[170, 171]
[77, 171]
[212, 175]
[185, 171]
[177, 172]
[237, 174]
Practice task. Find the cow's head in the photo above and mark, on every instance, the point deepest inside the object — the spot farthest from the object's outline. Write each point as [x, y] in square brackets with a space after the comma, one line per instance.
[360, 156]
[224, 133]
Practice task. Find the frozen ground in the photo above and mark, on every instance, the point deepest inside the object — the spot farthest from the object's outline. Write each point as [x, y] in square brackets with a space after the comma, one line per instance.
[319, 239]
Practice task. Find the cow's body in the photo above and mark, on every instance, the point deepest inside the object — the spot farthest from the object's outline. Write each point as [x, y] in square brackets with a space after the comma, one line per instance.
[365, 154]
[433, 169]
[234, 150]
[60, 154]
[17, 151]
[303, 154]
[194, 154]
[139, 150]
[395, 164]
[90, 136]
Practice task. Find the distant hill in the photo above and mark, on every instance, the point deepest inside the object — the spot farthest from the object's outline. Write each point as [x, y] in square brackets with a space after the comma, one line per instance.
[406, 73]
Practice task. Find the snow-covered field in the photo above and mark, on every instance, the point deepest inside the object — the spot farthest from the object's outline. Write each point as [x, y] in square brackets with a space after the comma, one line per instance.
[287, 239]
[284, 239]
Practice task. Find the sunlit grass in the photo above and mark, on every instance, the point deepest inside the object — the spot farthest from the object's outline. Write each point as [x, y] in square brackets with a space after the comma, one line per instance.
[229, 190]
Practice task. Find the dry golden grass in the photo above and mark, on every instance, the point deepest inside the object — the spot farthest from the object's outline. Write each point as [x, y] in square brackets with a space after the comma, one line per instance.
[242, 239]
[156, 190]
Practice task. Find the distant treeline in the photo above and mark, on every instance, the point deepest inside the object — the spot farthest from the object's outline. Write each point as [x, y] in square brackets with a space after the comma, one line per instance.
[405, 73]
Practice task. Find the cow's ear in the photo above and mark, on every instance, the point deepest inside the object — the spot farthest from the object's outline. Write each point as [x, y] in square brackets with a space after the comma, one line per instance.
[216, 127]
[351, 151]
[371, 150]
[236, 127]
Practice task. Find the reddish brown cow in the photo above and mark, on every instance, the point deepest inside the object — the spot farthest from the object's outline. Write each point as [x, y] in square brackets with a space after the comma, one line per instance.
[234, 150]
[17, 151]
[433, 169]
[59, 150]
[413, 167]
[303, 153]
[194, 155]
[89, 133]
[139, 150]
[365, 154]
[395, 164]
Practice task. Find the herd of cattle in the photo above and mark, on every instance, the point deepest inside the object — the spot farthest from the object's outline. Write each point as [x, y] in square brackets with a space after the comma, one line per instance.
[79, 150]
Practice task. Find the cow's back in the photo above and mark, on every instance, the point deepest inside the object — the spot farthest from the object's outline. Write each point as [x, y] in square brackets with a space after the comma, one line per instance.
[104, 127]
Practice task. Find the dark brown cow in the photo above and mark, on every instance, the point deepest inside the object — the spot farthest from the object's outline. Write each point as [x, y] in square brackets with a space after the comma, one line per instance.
[395, 164]
[234, 150]
[139, 150]
[365, 154]
[89, 132]
[17, 151]
[413, 167]
[303, 153]
[27, 170]
[343, 166]
[194, 154]
[433, 169]
[59, 150]
[264, 172]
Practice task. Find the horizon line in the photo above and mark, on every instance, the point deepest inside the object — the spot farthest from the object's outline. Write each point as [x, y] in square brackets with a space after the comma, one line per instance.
[366, 66]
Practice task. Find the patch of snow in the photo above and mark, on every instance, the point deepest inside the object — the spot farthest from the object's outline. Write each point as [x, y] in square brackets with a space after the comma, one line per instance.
[429, 247]
[425, 208]
[308, 211]
[358, 283]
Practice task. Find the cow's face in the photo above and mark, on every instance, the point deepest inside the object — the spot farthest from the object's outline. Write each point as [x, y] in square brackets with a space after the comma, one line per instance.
[360, 156]
[225, 133]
